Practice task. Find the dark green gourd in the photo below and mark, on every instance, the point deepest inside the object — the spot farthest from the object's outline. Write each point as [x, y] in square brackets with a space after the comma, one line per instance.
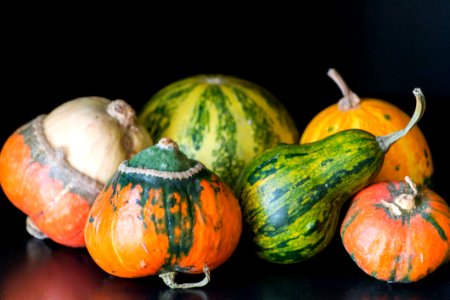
[292, 195]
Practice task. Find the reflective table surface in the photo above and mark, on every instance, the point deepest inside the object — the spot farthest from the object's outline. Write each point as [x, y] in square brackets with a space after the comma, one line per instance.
[41, 269]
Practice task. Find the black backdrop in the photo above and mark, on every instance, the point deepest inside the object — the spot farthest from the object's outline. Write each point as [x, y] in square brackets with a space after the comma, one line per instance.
[384, 49]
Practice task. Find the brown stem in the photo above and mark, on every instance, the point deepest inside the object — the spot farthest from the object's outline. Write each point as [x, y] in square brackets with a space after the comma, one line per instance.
[123, 112]
[350, 99]
[167, 143]
[169, 280]
[126, 116]
[403, 203]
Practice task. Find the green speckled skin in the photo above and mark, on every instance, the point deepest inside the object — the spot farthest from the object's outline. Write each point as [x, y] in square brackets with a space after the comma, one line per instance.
[291, 195]
[221, 121]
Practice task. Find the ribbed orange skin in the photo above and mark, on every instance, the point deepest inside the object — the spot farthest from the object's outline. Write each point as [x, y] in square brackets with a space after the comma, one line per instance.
[397, 248]
[29, 186]
[409, 156]
[123, 240]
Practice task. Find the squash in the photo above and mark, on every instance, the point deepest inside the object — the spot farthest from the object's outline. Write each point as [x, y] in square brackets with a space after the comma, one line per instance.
[163, 213]
[410, 156]
[291, 195]
[397, 231]
[222, 121]
[53, 167]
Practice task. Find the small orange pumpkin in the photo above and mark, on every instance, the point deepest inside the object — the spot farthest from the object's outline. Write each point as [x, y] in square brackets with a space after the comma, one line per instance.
[410, 156]
[163, 213]
[396, 231]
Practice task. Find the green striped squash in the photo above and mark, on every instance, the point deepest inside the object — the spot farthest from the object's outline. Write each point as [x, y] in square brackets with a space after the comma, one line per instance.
[291, 195]
[222, 121]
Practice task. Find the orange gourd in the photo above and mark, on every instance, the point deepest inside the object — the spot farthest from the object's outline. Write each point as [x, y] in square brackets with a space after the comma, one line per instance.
[396, 231]
[53, 167]
[410, 156]
[163, 213]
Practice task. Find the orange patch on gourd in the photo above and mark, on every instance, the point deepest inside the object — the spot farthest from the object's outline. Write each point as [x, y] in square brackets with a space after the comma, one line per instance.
[29, 186]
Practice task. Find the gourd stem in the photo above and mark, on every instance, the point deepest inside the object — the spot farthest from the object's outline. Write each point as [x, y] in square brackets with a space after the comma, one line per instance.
[122, 112]
[350, 99]
[403, 202]
[33, 230]
[387, 140]
[169, 280]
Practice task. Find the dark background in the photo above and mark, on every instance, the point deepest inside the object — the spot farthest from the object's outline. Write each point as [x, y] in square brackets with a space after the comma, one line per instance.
[383, 49]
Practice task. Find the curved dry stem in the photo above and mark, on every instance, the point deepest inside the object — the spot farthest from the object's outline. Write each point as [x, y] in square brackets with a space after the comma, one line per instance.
[169, 280]
[350, 99]
[386, 141]
[403, 203]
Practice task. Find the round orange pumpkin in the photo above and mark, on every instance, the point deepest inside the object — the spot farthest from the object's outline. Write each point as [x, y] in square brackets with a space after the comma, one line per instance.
[397, 231]
[410, 156]
[163, 213]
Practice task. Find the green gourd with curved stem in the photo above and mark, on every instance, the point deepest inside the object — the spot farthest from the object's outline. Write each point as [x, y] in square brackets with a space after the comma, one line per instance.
[291, 195]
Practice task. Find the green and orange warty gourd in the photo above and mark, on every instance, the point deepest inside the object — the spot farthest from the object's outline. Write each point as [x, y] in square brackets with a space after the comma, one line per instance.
[163, 213]
[410, 156]
[397, 231]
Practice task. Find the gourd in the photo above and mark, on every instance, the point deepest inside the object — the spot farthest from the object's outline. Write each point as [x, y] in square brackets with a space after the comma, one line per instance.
[409, 156]
[163, 213]
[222, 121]
[291, 195]
[53, 167]
[397, 231]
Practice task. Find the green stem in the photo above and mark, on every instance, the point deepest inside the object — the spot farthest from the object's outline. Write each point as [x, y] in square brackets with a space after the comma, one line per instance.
[386, 141]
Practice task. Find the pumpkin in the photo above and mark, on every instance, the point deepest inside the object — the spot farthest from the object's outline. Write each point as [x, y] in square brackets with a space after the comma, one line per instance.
[163, 213]
[222, 121]
[396, 231]
[410, 156]
[291, 195]
[53, 167]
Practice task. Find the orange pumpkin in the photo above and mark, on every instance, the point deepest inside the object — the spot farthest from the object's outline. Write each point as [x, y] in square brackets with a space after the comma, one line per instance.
[410, 156]
[396, 231]
[54, 166]
[163, 213]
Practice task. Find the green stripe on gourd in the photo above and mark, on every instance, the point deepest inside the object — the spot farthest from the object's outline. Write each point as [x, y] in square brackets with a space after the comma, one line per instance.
[221, 121]
[164, 168]
[293, 215]
[291, 195]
